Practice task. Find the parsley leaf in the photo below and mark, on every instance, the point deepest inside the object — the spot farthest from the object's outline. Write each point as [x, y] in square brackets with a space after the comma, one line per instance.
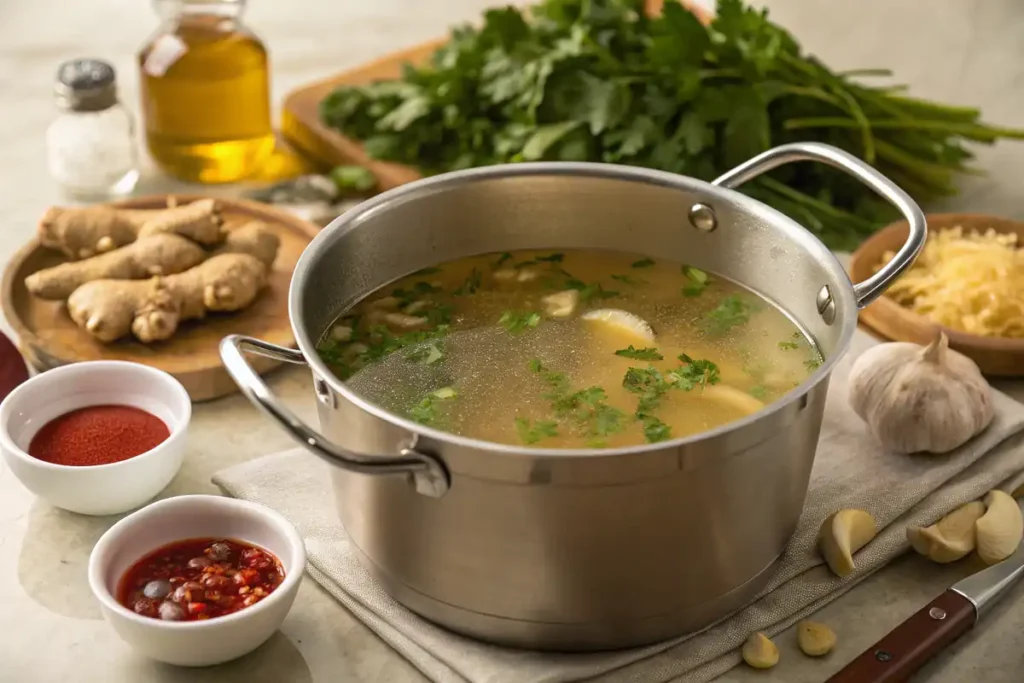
[428, 354]
[430, 409]
[519, 321]
[532, 432]
[732, 311]
[643, 263]
[590, 292]
[551, 258]
[639, 354]
[698, 281]
[470, 284]
[788, 345]
[655, 430]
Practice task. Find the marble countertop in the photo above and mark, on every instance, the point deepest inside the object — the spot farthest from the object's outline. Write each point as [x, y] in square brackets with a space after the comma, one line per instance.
[969, 52]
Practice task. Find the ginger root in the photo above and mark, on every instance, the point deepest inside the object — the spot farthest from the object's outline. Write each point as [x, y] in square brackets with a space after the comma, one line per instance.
[255, 238]
[160, 254]
[83, 232]
[152, 309]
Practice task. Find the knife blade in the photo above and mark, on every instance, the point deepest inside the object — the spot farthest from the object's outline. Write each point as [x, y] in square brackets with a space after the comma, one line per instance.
[906, 648]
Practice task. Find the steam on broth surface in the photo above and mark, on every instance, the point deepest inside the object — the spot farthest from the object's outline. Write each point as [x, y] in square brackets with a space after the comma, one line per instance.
[569, 349]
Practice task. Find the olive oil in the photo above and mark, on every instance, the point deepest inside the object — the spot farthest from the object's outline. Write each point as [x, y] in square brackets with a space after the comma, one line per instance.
[206, 93]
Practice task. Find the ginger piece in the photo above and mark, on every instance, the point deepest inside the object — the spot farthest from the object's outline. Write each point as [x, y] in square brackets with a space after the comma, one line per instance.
[160, 254]
[842, 534]
[83, 232]
[255, 238]
[152, 309]
[199, 221]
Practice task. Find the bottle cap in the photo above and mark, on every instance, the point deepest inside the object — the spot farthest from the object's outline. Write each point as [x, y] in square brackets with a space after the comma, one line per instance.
[86, 85]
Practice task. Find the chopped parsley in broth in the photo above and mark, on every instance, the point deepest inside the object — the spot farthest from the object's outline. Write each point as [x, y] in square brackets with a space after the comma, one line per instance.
[568, 349]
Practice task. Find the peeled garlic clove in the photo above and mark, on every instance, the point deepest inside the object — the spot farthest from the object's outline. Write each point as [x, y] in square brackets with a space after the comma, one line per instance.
[733, 397]
[920, 400]
[622, 320]
[949, 539]
[760, 652]
[1000, 529]
[814, 639]
[841, 535]
[561, 304]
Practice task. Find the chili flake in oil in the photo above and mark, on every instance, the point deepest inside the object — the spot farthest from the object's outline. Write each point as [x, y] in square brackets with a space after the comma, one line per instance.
[198, 579]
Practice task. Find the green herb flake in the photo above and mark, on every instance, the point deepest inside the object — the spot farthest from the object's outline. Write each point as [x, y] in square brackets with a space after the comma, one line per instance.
[430, 408]
[551, 258]
[731, 312]
[353, 179]
[502, 259]
[697, 372]
[470, 284]
[629, 280]
[639, 354]
[590, 292]
[643, 263]
[812, 364]
[759, 391]
[655, 430]
[519, 321]
[698, 281]
[788, 345]
[428, 354]
[532, 432]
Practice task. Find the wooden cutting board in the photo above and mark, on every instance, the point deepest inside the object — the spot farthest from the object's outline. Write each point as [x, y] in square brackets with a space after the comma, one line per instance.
[300, 118]
[47, 336]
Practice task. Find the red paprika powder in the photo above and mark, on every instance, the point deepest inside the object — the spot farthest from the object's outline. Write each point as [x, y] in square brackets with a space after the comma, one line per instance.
[98, 435]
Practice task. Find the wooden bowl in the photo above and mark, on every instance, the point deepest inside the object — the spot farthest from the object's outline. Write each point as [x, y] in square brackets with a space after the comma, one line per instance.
[48, 337]
[995, 356]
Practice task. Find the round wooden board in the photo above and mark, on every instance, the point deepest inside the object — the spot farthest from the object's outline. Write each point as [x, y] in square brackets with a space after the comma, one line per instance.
[995, 356]
[48, 337]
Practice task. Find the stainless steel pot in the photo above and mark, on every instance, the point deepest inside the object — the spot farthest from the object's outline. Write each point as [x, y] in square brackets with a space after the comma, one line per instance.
[573, 549]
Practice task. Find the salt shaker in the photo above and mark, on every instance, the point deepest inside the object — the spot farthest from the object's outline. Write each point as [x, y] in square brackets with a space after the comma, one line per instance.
[91, 144]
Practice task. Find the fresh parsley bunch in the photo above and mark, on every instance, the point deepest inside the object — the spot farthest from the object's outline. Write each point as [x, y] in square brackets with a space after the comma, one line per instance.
[598, 80]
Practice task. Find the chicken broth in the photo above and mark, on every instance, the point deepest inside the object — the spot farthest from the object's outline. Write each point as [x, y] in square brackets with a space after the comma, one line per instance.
[568, 349]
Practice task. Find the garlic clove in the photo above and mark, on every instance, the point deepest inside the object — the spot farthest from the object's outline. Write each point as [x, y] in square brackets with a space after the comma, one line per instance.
[916, 399]
[815, 639]
[842, 534]
[1000, 529]
[951, 538]
[760, 652]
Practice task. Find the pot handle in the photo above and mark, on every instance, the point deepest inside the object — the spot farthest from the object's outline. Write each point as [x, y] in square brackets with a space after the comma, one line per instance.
[872, 288]
[428, 473]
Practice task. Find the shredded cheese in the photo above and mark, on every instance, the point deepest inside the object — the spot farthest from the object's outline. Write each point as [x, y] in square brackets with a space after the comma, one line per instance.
[972, 282]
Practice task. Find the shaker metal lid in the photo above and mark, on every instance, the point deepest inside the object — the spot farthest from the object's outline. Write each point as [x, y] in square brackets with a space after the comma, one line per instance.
[86, 85]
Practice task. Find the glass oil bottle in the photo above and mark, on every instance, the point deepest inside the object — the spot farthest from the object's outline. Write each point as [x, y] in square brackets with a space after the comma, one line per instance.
[205, 87]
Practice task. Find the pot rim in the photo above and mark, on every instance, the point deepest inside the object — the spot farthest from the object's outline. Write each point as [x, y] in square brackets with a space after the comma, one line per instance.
[844, 296]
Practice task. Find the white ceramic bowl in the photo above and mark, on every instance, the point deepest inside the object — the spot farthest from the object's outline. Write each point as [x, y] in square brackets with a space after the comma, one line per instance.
[98, 489]
[196, 643]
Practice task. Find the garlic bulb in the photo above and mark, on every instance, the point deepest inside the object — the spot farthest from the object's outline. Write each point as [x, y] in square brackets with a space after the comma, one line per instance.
[918, 399]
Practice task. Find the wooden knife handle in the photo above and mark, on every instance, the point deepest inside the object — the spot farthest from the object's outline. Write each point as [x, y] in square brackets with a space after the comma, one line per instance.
[907, 647]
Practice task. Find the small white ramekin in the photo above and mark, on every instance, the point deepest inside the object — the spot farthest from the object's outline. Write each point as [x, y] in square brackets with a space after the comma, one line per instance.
[95, 489]
[212, 641]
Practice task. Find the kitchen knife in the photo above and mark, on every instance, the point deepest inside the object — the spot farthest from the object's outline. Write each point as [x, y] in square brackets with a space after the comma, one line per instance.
[906, 648]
